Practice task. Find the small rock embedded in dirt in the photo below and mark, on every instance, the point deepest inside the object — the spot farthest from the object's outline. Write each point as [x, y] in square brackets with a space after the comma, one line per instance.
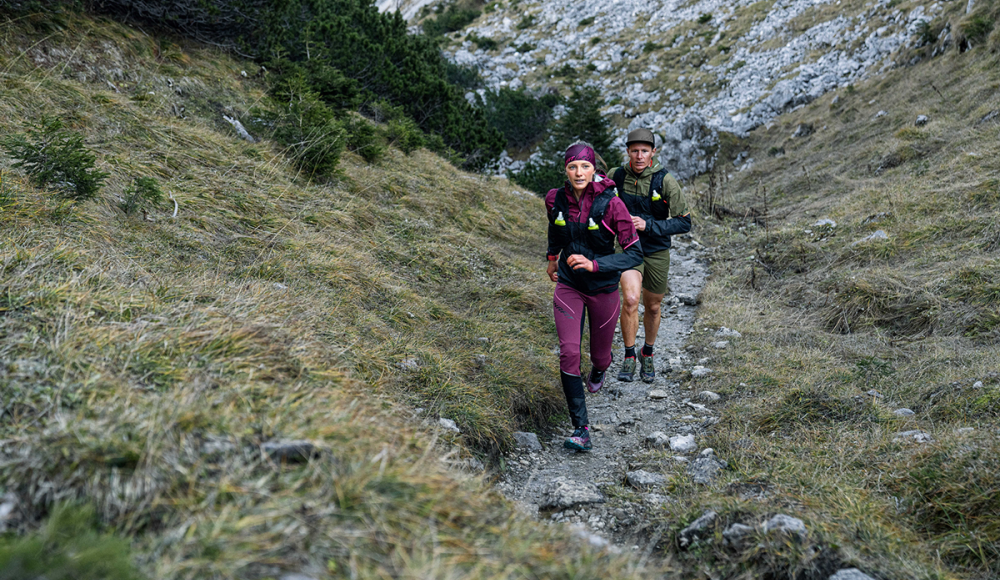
[643, 479]
[683, 443]
[880, 114]
[527, 441]
[914, 435]
[921, 120]
[704, 470]
[687, 299]
[449, 425]
[803, 130]
[977, 385]
[825, 222]
[657, 394]
[698, 529]
[720, 345]
[874, 393]
[408, 364]
[735, 535]
[592, 539]
[709, 397]
[658, 439]
[479, 360]
[727, 333]
[877, 236]
[785, 524]
[964, 430]
[563, 492]
[700, 371]
[903, 412]
[290, 450]
[850, 574]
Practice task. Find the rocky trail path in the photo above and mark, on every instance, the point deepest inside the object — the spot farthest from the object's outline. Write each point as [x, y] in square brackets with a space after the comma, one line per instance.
[629, 422]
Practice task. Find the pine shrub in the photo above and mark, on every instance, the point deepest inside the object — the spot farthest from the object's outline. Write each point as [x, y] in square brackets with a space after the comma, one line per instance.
[56, 157]
[143, 192]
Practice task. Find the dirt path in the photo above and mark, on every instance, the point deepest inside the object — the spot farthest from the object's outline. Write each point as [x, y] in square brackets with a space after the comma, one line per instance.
[559, 484]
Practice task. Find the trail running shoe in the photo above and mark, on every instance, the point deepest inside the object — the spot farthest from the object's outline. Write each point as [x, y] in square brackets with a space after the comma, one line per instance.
[579, 440]
[627, 374]
[595, 381]
[647, 373]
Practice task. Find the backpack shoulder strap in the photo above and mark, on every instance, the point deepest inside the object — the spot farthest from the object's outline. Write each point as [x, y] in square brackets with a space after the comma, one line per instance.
[659, 200]
[619, 179]
[600, 205]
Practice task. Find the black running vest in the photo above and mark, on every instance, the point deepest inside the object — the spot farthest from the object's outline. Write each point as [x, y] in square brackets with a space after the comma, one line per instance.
[591, 238]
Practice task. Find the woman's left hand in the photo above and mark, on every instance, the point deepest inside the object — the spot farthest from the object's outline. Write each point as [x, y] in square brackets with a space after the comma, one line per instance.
[580, 262]
[639, 223]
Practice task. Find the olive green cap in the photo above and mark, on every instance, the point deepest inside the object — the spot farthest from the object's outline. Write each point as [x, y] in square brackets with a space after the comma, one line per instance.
[640, 135]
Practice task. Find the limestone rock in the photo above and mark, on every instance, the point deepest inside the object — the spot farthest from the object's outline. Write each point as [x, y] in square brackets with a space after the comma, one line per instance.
[720, 345]
[903, 412]
[657, 394]
[699, 371]
[658, 439]
[527, 441]
[449, 425]
[727, 333]
[683, 443]
[785, 524]
[850, 574]
[563, 493]
[913, 435]
[735, 536]
[921, 120]
[687, 299]
[643, 479]
[704, 470]
[709, 397]
[290, 450]
[700, 528]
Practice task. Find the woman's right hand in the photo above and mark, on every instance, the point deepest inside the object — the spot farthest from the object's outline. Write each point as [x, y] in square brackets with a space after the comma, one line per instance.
[551, 270]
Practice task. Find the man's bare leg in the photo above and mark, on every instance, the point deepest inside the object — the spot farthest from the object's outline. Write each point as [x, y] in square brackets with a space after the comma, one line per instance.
[631, 285]
[651, 317]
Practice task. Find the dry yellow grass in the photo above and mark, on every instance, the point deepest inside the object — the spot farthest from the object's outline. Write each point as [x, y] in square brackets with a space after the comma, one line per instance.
[838, 335]
[148, 359]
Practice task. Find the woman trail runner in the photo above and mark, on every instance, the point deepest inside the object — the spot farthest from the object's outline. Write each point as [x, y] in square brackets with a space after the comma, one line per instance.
[585, 219]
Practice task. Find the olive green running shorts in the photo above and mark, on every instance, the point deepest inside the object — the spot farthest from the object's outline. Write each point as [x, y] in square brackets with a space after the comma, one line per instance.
[654, 269]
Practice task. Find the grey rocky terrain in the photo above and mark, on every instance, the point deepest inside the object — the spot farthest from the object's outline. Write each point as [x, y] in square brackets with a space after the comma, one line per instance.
[766, 69]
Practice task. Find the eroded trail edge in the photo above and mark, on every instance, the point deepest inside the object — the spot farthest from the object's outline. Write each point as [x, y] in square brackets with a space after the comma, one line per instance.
[637, 428]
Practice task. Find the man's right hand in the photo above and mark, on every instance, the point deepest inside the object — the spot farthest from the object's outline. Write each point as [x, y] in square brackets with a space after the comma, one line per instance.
[551, 270]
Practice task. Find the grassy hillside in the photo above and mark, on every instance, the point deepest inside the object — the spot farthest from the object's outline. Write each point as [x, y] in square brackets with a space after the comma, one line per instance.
[148, 359]
[839, 333]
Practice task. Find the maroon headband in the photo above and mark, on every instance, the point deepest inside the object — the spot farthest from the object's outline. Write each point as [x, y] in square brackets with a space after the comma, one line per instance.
[580, 152]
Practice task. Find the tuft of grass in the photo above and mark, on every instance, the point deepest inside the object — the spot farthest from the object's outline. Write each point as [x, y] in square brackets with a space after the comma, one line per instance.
[68, 546]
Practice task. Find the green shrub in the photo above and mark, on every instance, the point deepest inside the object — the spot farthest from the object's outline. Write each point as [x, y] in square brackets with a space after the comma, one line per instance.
[405, 134]
[526, 47]
[54, 156]
[591, 67]
[977, 27]
[704, 18]
[455, 17]
[144, 191]
[357, 52]
[595, 40]
[6, 191]
[68, 547]
[650, 46]
[517, 114]
[483, 43]
[300, 121]
[527, 21]
[364, 139]
[586, 21]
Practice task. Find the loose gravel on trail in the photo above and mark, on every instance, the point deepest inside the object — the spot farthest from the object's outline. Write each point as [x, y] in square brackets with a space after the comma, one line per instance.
[628, 420]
